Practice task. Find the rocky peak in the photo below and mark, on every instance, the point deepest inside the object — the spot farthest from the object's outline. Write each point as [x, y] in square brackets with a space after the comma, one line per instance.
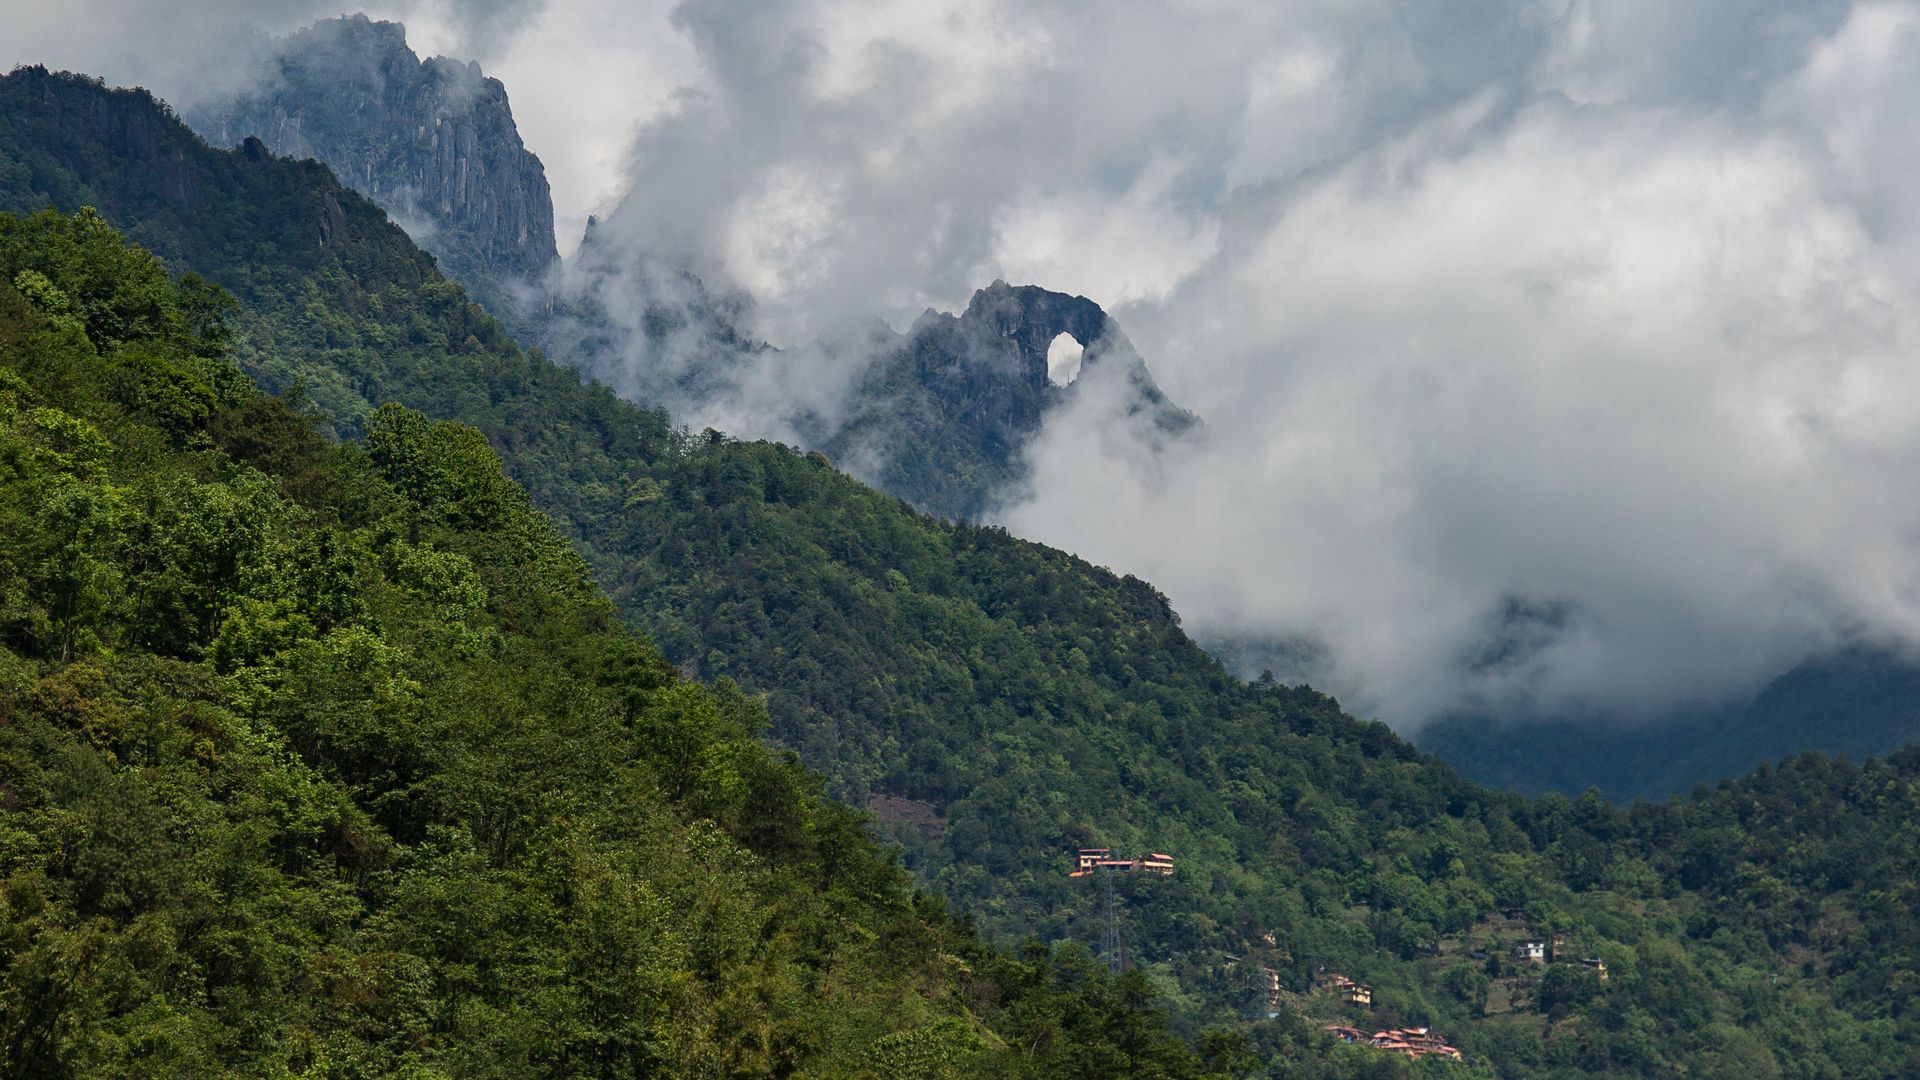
[1017, 324]
[947, 411]
[1034, 316]
[432, 141]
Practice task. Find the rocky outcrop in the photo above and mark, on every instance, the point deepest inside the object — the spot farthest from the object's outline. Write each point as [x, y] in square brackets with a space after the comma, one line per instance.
[434, 142]
[943, 417]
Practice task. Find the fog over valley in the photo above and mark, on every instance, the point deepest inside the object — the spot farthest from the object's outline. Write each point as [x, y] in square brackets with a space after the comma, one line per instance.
[920, 539]
[1553, 358]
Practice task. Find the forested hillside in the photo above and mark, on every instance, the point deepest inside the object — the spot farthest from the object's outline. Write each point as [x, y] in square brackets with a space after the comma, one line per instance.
[1033, 703]
[330, 761]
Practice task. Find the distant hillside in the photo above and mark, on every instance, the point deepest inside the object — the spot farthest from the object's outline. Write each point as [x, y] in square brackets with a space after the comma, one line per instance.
[1860, 703]
[1011, 703]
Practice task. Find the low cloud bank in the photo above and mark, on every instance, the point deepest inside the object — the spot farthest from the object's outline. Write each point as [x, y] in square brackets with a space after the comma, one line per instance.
[1556, 357]
[1563, 407]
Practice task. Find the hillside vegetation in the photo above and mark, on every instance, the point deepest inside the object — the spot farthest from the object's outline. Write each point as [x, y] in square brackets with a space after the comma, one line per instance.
[1032, 703]
[330, 760]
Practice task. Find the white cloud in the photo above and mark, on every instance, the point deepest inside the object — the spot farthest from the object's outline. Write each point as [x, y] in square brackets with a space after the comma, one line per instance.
[1125, 247]
[784, 236]
[1562, 334]
[583, 77]
[1554, 354]
[1631, 361]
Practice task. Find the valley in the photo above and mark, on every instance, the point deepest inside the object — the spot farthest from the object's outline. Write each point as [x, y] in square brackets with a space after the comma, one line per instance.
[383, 692]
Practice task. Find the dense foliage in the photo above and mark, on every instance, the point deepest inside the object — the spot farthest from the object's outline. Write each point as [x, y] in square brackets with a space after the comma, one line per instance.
[331, 761]
[1035, 703]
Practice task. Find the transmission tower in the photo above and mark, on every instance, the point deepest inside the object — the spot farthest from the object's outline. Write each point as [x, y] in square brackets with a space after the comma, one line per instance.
[1111, 945]
[1103, 862]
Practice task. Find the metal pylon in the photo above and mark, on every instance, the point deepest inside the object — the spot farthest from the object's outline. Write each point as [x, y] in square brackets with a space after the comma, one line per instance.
[1112, 943]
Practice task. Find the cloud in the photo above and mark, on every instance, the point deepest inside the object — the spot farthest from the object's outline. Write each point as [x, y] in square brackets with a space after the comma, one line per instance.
[468, 29]
[185, 52]
[1555, 355]
[1552, 353]
[1577, 409]
[1123, 247]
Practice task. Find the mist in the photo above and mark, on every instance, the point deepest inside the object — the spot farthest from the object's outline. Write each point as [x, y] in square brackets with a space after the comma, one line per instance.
[1591, 396]
[1555, 357]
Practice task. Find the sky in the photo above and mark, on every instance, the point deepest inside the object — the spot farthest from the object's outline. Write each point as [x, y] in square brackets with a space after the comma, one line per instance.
[1556, 357]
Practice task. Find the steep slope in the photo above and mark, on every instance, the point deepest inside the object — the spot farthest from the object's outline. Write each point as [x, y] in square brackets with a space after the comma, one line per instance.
[327, 761]
[282, 235]
[433, 142]
[942, 417]
[1033, 703]
[938, 416]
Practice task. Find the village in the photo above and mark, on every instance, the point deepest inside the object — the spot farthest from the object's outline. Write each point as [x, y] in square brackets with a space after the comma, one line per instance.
[1410, 1042]
[1505, 943]
[1344, 1002]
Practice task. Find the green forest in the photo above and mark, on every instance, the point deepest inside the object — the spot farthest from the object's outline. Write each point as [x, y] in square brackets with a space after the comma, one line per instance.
[329, 760]
[330, 750]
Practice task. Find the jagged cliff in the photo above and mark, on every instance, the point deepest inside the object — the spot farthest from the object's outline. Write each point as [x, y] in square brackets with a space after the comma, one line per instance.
[434, 142]
[940, 416]
[943, 416]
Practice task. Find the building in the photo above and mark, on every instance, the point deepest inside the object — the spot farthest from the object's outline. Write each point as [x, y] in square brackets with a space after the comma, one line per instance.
[1597, 966]
[1532, 952]
[1087, 860]
[1408, 1042]
[1348, 991]
[1414, 1043]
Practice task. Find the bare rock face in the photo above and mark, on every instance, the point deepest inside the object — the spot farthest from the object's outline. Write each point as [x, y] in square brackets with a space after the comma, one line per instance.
[944, 415]
[432, 141]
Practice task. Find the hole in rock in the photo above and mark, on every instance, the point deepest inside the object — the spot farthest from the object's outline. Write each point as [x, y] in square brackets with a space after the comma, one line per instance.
[1063, 359]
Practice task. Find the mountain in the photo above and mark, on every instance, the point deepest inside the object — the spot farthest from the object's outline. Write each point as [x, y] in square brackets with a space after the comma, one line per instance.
[998, 704]
[943, 415]
[329, 760]
[433, 142]
[1859, 702]
[938, 416]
